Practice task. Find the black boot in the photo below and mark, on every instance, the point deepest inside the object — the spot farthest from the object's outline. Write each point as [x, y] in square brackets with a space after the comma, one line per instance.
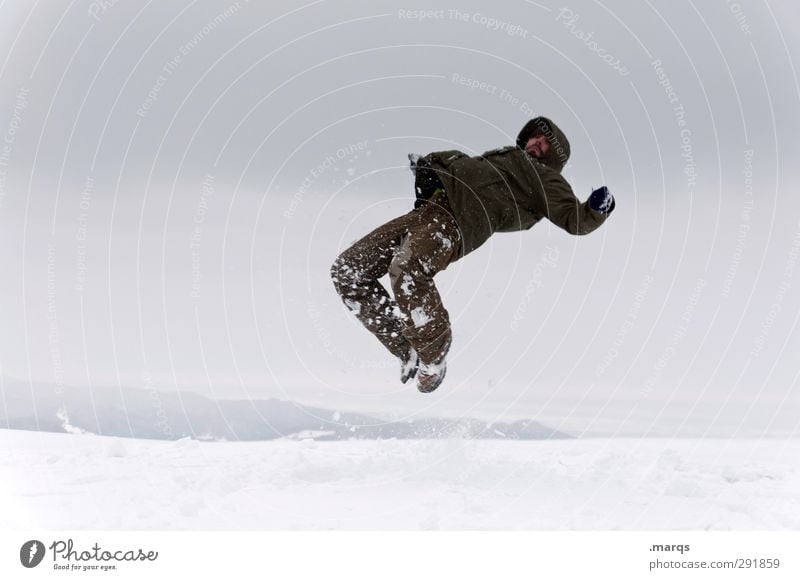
[409, 363]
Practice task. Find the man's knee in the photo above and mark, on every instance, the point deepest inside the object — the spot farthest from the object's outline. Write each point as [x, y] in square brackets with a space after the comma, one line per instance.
[404, 272]
[341, 273]
[348, 276]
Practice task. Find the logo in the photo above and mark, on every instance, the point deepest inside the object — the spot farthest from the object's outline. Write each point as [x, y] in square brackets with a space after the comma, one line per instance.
[31, 553]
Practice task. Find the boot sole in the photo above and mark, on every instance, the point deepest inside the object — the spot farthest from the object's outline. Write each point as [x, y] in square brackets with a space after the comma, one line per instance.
[434, 386]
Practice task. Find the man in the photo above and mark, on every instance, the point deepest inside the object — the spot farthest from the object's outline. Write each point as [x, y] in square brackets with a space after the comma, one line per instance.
[461, 202]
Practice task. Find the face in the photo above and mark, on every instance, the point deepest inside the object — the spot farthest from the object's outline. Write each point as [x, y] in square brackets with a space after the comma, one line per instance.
[538, 146]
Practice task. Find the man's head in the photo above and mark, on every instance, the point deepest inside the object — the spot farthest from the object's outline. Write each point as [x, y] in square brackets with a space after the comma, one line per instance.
[538, 146]
[542, 130]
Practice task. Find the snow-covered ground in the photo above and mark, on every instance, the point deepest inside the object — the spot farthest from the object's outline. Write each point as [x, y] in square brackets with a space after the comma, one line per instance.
[60, 481]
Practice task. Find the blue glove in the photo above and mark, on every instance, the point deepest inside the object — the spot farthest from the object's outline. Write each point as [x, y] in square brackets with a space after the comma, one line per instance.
[602, 201]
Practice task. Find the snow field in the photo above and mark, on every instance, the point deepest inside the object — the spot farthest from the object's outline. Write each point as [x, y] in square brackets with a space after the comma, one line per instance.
[55, 481]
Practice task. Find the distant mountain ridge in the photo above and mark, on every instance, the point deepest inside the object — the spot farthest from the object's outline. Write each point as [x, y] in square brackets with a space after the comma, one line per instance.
[152, 414]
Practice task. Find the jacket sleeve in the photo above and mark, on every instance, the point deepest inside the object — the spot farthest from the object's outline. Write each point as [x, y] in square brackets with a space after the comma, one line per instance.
[443, 159]
[567, 212]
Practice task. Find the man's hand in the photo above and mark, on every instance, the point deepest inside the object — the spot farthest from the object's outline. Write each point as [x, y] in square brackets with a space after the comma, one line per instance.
[413, 159]
[602, 201]
[426, 182]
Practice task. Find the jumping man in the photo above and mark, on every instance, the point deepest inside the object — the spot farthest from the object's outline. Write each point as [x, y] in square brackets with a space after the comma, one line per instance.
[461, 202]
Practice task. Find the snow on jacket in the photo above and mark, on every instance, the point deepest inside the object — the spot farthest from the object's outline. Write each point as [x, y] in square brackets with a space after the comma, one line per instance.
[508, 190]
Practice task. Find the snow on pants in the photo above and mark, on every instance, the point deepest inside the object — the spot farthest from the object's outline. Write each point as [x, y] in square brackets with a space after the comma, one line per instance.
[412, 249]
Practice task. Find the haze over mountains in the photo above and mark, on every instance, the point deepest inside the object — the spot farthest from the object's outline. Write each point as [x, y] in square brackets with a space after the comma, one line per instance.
[153, 414]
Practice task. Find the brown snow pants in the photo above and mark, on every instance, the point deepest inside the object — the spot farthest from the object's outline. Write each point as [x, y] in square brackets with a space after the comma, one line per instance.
[411, 249]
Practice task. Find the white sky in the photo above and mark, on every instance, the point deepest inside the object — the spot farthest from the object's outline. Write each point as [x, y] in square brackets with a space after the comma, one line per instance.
[681, 312]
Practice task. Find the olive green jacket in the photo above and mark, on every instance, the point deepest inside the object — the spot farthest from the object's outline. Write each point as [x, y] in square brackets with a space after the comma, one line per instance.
[508, 190]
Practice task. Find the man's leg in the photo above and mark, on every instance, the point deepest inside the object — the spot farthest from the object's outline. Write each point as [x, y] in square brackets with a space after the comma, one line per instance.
[428, 248]
[356, 273]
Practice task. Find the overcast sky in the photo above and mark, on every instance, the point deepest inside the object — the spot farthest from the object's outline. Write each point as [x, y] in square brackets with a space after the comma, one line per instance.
[176, 179]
